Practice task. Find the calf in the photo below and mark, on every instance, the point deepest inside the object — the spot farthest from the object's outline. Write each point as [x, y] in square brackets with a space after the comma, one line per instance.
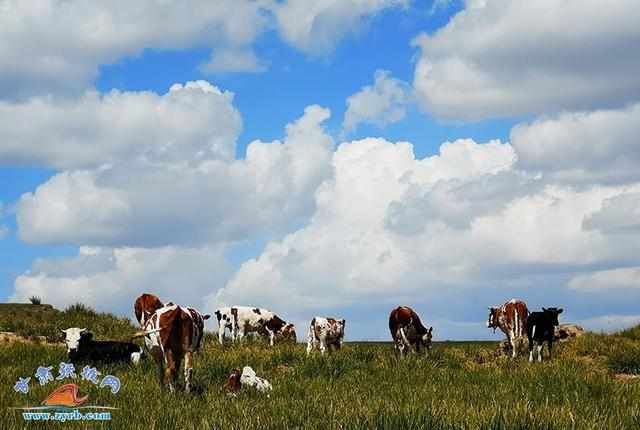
[326, 332]
[510, 318]
[82, 348]
[407, 329]
[145, 306]
[242, 320]
[541, 327]
[174, 333]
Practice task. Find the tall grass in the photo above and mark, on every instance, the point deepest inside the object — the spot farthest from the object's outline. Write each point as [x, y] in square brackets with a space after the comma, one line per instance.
[363, 386]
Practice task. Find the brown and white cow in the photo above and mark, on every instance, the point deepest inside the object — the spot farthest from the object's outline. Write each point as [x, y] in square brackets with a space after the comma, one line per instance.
[325, 332]
[174, 333]
[510, 318]
[242, 320]
[145, 306]
[407, 330]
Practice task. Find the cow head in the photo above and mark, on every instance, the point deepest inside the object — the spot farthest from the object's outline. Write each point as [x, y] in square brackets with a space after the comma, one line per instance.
[73, 336]
[233, 382]
[288, 333]
[553, 313]
[426, 338]
[492, 321]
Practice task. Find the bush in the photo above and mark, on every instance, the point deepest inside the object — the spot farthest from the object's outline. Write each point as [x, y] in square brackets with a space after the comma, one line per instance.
[35, 300]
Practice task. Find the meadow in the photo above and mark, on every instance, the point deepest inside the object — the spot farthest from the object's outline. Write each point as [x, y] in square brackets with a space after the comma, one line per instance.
[460, 385]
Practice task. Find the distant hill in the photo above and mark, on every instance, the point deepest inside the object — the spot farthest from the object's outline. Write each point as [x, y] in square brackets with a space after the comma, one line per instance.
[30, 320]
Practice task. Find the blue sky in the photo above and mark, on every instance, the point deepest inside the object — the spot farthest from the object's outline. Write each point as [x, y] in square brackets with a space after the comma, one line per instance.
[471, 227]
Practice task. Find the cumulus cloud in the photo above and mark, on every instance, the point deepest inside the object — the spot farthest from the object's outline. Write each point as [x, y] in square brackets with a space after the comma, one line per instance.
[619, 214]
[315, 27]
[189, 124]
[382, 103]
[488, 61]
[110, 279]
[582, 147]
[74, 37]
[485, 230]
[148, 201]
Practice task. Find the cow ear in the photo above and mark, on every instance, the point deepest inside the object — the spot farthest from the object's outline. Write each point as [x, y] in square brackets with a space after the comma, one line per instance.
[560, 310]
[430, 330]
[206, 317]
[544, 309]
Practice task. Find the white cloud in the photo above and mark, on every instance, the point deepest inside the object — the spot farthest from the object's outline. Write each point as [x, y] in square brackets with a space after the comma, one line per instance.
[227, 61]
[623, 278]
[503, 58]
[68, 40]
[619, 214]
[150, 202]
[585, 147]
[492, 230]
[609, 323]
[315, 27]
[189, 124]
[110, 279]
[383, 103]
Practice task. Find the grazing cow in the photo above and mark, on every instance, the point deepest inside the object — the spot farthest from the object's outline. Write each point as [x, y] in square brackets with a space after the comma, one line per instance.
[407, 329]
[541, 327]
[174, 333]
[242, 320]
[510, 318]
[82, 348]
[145, 306]
[327, 332]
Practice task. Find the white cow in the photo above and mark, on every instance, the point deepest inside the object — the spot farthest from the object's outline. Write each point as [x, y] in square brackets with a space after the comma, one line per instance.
[242, 320]
[326, 332]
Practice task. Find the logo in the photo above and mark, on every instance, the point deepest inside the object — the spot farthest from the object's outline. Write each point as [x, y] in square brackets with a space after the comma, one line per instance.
[66, 402]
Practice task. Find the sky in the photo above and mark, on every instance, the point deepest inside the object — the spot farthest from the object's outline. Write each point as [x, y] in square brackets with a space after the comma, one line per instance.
[325, 157]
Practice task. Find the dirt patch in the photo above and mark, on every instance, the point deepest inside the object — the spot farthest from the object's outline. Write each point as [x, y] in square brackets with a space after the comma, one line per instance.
[7, 338]
[626, 377]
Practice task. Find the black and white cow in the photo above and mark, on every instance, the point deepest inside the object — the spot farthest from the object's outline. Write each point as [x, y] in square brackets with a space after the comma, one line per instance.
[82, 348]
[540, 328]
[242, 320]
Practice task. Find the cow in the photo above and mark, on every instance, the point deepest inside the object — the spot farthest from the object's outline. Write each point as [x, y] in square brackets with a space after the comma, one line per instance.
[407, 329]
[145, 306]
[247, 378]
[327, 332]
[82, 348]
[174, 333]
[510, 318]
[541, 327]
[242, 320]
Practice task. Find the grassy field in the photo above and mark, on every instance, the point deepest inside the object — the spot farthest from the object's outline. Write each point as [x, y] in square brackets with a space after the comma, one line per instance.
[460, 386]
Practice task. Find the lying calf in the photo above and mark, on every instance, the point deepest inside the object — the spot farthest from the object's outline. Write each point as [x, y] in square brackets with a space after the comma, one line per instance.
[82, 348]
[247, 378]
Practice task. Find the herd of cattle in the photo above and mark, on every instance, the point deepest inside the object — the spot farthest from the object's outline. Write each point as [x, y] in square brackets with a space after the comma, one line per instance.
[173, 333]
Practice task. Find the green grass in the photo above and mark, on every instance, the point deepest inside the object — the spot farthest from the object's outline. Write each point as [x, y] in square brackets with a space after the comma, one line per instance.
[460, 386]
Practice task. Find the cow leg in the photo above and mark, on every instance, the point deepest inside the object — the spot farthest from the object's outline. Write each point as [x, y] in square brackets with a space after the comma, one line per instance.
[169, 370]
[188, 370]
[310, 341]
[221, 331]
[160, 367]
[530, 339]
[272, 335]
[540, 346]
[512, 341]
[323, 346]
[550, 344]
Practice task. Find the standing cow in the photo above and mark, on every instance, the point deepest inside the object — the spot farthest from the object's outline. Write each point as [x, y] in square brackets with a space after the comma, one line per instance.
[510, 318]
[540, 328]
[325, 332]
[174, 334]
[242, 320]
[145, 306]
[407, 329]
